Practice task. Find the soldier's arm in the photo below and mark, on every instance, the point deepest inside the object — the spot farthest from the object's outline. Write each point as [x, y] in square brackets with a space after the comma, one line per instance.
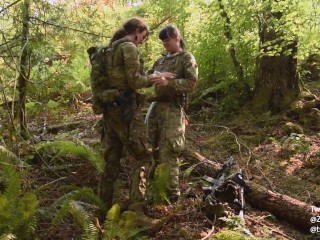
[188, 83]
[136, 78]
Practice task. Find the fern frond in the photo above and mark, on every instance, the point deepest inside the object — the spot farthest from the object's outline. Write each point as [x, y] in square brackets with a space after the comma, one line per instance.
[17, 210]
[66, 202]
[90, 232]
[66, 148]
[8, 175]
[18, 216]
[79, 213]
[27, 205]
[111, 225]
[11, 179]
[78, 202]
[79, 193]
[4, 212]
[159, 183]
[26, 212]
[6, 154]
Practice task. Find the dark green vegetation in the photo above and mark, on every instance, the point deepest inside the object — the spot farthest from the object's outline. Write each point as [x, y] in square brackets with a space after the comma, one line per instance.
[257, 99]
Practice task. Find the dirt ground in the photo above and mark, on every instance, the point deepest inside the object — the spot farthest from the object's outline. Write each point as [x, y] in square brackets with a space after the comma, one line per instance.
[260, 148]
[268, 153]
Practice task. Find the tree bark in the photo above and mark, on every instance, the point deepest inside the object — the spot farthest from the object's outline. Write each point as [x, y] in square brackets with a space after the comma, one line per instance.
[201, 164]
[282, 206]
[232, 49]
[24, 70]
[277, 82]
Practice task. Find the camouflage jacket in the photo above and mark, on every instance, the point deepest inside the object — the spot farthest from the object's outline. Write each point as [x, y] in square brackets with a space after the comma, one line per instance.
[184, 65]
[125, 69]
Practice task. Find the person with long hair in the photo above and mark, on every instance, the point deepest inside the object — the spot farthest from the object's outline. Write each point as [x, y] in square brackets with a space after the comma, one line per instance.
[123, 126]
[167, 119]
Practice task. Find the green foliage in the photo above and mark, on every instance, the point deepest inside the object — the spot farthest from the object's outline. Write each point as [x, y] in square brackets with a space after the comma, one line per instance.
[159, 184]
[116, 226]
[60, 33]
[128, 228]
[80, 202]
[53, 107]
[111, 224]
[231, 235]
[68, 148]
[297, 143]
[17, 209]
[236, 229]
[33, 108]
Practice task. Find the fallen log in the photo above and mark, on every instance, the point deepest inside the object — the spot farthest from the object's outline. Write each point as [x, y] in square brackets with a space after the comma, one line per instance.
[202, 165]
[282, 206]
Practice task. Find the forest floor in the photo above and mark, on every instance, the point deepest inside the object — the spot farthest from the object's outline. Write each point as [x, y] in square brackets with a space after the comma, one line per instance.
[268, 153]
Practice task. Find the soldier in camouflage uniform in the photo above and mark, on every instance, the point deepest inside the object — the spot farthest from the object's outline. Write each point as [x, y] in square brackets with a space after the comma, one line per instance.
[167, 119]
[123, 126]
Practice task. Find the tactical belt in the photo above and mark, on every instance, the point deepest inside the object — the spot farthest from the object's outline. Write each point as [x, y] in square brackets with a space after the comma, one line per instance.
[178, 99]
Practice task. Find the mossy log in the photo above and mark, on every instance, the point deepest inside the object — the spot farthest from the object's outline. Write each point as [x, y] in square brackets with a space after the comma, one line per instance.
[282, 206]
[54, 129]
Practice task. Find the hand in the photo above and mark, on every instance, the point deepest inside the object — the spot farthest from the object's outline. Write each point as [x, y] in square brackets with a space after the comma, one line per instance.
[167, 75]
[159, 81]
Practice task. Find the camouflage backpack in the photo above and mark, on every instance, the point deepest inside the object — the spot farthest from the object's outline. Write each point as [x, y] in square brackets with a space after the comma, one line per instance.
[101, 59]
[98, 76]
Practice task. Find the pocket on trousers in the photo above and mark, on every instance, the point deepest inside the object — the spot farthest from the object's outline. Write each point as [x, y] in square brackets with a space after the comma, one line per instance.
[141, 147]
[177, 143]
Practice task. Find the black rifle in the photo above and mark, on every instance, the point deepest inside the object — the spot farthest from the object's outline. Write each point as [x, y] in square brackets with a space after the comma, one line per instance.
[224, 189]
[219, 178]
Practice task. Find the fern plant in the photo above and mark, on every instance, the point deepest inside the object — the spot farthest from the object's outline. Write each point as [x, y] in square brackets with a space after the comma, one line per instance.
[122, 227]
[159, 184]
[116, 226]
[79, 149]
[111, 224]
[80, 203]
[17, 209]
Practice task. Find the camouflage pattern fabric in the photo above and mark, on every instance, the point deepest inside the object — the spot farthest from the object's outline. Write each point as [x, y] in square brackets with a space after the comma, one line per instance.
[117, 135]
[167, 121]
[125, 68]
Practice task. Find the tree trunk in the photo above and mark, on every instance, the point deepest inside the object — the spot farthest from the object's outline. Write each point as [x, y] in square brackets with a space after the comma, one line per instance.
[282, 206]
[201, 164]
[232, 50]
[277, 82]
[24, 70]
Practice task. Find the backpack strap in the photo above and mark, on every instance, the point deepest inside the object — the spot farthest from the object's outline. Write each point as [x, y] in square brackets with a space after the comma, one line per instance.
[113, 46]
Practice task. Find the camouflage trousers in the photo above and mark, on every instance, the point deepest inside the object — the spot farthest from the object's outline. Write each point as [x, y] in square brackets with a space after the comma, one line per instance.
[118, 136]
[166, 127]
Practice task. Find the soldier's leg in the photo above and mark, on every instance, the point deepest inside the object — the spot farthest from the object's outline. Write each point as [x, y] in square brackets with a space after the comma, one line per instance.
[154, 124]
[170, 158]
[112, 149]
[140, 147]
[171, 145]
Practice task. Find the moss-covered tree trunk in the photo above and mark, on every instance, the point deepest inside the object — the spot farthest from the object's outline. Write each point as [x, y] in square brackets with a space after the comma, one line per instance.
[277, 83]
[24, 70]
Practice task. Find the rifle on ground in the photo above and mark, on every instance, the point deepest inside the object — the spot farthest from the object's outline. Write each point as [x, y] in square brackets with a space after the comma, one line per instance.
[219, 178]
[224, 191]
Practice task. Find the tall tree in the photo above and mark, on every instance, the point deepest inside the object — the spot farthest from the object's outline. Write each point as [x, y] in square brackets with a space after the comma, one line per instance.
[24, 70]
[277, 83]
[232, 47]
